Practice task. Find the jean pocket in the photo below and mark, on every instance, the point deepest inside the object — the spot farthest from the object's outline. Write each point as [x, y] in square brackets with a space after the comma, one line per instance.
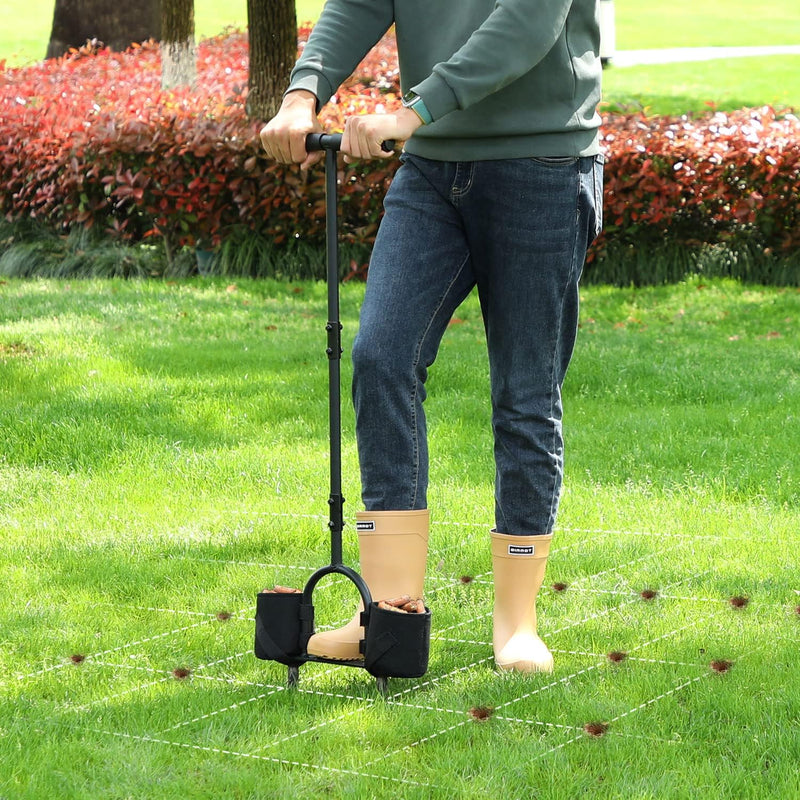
[555, 161]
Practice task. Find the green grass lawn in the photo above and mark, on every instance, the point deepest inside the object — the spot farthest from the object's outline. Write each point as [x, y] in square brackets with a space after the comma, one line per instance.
[163, 459]
[724, 84]
[644, 24]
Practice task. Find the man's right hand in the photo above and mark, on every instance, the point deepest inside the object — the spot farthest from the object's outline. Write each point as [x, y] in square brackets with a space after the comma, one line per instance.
[284, 136]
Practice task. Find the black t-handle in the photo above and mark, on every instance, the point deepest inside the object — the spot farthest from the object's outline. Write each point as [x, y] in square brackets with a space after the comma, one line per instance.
[323, 141]
[333, 141]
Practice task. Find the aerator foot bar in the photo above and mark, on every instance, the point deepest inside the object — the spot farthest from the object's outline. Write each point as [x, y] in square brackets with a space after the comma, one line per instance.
[395, 645]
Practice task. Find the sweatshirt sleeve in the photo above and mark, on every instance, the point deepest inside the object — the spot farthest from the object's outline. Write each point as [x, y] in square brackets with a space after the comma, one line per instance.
[345, 32]
[512, 40]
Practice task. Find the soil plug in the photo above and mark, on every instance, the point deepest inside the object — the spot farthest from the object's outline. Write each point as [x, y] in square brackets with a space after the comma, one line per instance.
[399, 602]
[721, 666]
[403, 605]
[617, 657]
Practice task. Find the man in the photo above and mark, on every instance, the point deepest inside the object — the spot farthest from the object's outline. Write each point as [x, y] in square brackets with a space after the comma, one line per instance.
[500, 188]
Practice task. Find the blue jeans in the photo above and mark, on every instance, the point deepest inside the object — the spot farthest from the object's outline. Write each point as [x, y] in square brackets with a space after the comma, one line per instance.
[517, 229]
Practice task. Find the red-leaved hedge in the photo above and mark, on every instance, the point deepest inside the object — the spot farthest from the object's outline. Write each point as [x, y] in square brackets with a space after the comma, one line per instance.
[92, 140]
[711, 179]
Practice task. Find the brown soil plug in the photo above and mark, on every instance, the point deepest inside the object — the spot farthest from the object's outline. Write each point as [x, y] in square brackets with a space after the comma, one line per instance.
[403, 605]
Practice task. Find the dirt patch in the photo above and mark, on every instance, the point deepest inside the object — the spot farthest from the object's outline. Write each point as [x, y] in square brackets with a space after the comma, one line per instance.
[15, 350]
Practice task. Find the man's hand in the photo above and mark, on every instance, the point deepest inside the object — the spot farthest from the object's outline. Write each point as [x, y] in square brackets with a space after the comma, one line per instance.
[364, 134]
[284, 136]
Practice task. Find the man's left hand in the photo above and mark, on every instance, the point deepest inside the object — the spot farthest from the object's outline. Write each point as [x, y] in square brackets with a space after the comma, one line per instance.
[364, 134]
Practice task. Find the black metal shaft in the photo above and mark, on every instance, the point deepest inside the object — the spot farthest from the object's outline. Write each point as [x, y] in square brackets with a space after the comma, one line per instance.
[334, 351]
[331, 143]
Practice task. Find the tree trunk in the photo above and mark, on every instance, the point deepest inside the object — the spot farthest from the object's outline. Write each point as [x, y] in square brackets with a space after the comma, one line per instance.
[116, 24]
[272, 26]
[178, 50]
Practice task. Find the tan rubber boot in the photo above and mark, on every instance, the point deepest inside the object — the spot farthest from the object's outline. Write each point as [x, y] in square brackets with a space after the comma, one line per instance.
[393, 549]
[519, 563]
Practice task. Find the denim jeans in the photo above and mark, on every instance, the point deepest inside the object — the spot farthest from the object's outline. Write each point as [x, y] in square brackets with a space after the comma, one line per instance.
[517, 229]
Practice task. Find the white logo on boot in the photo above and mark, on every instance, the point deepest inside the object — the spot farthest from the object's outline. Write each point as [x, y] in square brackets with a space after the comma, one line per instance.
[520, 550]
[365, 526]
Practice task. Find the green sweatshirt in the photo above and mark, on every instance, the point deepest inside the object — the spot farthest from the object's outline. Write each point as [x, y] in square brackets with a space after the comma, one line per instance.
[501, 78]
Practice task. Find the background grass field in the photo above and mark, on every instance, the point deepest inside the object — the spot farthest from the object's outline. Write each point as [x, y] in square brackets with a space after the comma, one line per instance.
[647, 24]
[164, 459]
